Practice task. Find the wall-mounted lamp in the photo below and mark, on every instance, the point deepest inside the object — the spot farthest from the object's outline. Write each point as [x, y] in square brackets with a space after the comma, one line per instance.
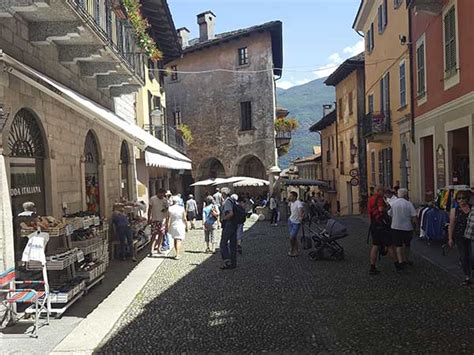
[4, 113]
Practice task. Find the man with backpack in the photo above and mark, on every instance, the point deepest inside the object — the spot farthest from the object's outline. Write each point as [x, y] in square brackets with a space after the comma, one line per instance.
[232, 215]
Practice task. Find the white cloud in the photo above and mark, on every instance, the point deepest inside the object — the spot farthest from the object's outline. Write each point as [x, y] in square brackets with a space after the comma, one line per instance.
[336, 59]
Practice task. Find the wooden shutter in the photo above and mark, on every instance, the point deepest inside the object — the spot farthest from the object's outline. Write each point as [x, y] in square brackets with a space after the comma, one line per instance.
[381, 175]
[450, 39]
[380, 19]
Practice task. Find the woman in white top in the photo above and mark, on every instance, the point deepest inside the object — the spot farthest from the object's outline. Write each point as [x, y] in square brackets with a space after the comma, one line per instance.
[177, 225]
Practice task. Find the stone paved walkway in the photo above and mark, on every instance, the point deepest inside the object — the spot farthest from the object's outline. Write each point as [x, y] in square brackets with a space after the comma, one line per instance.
[273, 303]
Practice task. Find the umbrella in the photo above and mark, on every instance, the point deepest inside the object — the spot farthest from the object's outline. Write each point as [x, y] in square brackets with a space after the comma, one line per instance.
[204, 182]
[229, 180]
[252, 182]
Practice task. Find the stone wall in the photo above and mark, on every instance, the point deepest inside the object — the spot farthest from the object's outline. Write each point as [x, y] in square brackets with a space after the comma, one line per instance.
[64, 133]
[210, 103]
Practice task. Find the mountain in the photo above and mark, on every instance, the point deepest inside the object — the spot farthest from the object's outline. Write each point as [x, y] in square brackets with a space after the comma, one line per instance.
[305, 103]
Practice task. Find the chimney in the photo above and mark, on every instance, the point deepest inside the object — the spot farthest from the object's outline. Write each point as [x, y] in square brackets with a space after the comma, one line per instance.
[183, 36]
[206, 22]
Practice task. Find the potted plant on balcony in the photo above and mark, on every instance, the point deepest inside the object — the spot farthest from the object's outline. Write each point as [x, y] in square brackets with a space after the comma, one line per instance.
[140, 26]
[284, 127]
[185, 132]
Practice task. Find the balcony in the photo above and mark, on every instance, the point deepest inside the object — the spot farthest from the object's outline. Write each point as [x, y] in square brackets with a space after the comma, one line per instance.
[175, 140]
[81, 30]
[282, 139]
[377, 127]
[154, 130]
[431, 7]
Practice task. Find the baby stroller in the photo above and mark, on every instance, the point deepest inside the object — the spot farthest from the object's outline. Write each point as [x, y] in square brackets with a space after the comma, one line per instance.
[325, 242]
[318, 214]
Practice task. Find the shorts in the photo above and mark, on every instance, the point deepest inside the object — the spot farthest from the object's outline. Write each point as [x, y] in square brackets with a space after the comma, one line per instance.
[210, 235]
[158, 229]
[402, 238]
[191, 215]
[294, 229]
[381, 236]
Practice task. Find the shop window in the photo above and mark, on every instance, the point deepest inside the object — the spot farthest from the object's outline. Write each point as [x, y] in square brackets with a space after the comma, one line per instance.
[92, 159]
[459, 148]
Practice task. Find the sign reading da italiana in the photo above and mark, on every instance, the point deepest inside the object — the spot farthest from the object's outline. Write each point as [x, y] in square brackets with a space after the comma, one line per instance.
[25, 190]
[440, 167]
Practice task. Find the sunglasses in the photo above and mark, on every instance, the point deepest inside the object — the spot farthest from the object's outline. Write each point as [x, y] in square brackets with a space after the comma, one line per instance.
[462, 199]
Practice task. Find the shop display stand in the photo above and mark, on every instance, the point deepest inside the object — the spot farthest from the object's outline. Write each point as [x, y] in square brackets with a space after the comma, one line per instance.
[65, 268]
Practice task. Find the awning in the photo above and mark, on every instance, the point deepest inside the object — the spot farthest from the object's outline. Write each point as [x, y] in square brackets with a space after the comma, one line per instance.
[304, 182]
[89, 108]
[161, 161]
[251, 182]
[204, 182]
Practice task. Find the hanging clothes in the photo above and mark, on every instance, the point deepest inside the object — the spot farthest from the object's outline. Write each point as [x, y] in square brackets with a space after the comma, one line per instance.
[434, 224]
[36, 247]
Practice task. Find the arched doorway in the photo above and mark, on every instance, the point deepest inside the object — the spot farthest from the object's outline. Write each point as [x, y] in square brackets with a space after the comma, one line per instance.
[212, 168]
[27, 153]
[124, 170]
[251, 166]
[91, 167]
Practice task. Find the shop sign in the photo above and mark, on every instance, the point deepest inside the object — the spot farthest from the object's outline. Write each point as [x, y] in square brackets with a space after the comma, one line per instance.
[440, 167]
[25, 190]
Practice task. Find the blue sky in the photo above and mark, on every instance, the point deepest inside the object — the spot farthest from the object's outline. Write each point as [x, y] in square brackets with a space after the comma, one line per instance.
[316, 33]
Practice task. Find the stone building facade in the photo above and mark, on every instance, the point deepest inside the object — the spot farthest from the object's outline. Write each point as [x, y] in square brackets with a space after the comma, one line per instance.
[64, 66]
[230, 105]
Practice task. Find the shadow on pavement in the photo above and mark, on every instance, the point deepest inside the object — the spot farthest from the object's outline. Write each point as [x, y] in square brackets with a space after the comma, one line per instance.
[272, 303]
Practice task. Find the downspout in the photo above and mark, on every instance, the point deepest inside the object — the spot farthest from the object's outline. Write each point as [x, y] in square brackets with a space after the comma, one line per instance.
[412, 82]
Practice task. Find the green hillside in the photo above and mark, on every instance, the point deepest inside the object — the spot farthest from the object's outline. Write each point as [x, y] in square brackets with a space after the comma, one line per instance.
[305, 103]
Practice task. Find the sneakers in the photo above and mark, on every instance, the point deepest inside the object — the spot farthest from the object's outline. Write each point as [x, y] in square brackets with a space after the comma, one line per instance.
[228, 267]
[374, 271]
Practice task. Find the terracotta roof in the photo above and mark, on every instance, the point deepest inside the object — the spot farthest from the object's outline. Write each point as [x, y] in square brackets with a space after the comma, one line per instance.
[324, 122]
[345, 69]
[308, 159]
[275, 28]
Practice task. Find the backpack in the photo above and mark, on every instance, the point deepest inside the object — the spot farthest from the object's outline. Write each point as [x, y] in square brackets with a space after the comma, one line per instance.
[239, 214]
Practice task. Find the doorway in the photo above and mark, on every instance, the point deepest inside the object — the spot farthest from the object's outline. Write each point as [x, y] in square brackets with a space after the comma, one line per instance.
[92, 162]
[350, 210]
[427, 174]
[459, 156]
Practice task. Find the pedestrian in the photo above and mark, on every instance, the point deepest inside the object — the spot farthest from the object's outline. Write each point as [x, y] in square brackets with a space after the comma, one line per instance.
[390, 197]
[273, 210]
[177, 225]
[379, 228]
[123, 232]
[158, 219]
[228, 243]
[460, 232]
[294, 222]
[240, 226]
[166, 246]
[191, 211]
[219, 201]
[181, 201]
[403, 215]
[210, 216]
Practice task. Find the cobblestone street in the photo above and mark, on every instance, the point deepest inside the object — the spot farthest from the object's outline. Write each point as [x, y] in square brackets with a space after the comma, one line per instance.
[273, 303]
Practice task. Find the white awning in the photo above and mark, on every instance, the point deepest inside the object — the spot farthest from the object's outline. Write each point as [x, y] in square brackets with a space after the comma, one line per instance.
[251, 182]
[89, 108]
[161, 161]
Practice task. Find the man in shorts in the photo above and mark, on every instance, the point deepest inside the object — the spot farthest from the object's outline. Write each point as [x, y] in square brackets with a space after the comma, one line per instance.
[158, 219]
[403, 215]
[294, 222]
[191, 211]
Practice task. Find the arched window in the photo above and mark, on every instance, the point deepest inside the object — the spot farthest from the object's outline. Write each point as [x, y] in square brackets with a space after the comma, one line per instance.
[92, 160]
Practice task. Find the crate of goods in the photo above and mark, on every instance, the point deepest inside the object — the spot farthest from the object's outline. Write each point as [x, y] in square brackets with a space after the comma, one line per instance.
[81, 244]
[87, 222]
[65, 297]
[96, 220]
[75, 222]
[56, 231]
[92, 274]
[53, 264]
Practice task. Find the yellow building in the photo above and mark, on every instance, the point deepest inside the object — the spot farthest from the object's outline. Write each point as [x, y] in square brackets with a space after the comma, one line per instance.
[343, 146]
[387, 125]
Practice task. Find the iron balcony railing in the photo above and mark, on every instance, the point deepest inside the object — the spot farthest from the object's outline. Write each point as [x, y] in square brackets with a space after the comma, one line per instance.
[130, 57]
[377, 123]
[175, 139]
[154, 130]
[282, 138]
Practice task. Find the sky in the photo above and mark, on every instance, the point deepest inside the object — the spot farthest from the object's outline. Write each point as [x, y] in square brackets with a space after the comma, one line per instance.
[317, 34]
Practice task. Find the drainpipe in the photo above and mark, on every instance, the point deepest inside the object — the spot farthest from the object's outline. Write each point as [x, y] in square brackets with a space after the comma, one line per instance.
[412, 82]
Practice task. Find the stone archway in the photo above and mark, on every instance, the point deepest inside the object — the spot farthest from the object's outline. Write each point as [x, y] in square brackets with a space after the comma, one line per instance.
[211, 168]
[251, 166]
[92, 162]
[124, 171]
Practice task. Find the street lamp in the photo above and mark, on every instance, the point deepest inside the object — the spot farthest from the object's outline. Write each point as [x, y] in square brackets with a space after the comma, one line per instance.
[156, 116]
